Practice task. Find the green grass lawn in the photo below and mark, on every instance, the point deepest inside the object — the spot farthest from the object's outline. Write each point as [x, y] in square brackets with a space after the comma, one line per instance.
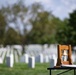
[23, 69]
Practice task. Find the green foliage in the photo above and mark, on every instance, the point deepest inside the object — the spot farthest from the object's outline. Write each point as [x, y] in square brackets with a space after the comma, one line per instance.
[41, 29]
[62, 32]
[72, 19]
[72, 28]
[2, 28]
[44, 28]
[66, 34]
[12, 37]
[14, 14]
[44, 24]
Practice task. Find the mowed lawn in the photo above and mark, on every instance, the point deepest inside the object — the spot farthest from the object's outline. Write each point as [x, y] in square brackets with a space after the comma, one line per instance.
[23, 69]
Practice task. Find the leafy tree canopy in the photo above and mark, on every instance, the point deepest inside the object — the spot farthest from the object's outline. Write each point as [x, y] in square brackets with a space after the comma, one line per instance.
[2, 27]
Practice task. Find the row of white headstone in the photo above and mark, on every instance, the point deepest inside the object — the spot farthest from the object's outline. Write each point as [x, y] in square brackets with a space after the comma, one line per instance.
[10, 61]
[6, 52]
[40, 58]
[26, 58]
[29, 60]
[41, 53]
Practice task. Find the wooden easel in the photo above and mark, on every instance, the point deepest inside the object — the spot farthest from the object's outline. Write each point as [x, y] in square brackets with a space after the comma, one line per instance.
[64, 51]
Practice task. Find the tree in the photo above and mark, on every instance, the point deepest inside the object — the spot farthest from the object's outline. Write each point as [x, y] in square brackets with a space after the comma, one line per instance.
[67, 33]
[34, 9]
[2, 28]
[44, 29]
[16, 14]
[72, 28]
[62, 32]
[72, 19]
[12, 37]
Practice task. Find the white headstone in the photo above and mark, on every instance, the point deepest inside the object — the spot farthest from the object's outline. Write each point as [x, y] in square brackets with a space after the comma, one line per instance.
[53, 61]
[39, 58]
[16, 57]
[31, 63]
[10, 60]
[24, 58]
[1, 61]
[73, 58]
[46, 59]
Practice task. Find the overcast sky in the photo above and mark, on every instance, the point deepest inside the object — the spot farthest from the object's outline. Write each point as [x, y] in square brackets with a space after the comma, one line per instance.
[60, 8]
